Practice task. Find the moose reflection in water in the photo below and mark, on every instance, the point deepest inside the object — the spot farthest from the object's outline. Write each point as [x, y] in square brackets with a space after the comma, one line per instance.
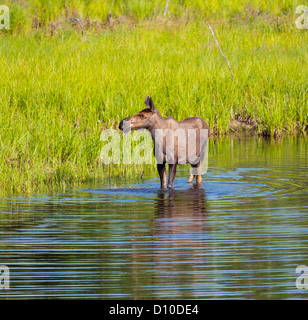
[175, 203]
[180, 234]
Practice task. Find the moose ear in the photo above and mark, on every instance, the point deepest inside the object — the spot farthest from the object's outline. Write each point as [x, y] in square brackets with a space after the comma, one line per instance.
[149, 103]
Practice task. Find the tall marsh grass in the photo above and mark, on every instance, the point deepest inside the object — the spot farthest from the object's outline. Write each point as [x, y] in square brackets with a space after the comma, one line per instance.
[60, 91]
[40, 13]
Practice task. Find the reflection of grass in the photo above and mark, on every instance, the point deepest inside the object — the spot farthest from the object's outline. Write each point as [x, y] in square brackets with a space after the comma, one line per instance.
[59, 92]
[232, 152]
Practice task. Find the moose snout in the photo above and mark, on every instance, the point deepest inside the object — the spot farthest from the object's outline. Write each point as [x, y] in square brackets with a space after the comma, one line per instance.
[125, 124]
[121, 125]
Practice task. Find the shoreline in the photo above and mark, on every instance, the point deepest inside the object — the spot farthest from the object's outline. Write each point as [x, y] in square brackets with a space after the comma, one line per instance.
[249, 127]
[113, 172]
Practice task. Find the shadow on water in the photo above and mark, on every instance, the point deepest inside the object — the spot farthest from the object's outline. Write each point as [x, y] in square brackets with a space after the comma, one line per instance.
[241, 235]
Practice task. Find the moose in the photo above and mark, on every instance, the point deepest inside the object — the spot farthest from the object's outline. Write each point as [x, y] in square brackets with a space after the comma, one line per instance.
[176, 142]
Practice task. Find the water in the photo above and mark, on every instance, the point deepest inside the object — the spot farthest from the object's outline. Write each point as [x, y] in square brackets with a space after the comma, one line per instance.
[241, 235]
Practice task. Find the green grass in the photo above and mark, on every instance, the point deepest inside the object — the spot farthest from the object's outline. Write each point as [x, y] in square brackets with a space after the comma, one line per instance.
[41, 13]
[60, 91]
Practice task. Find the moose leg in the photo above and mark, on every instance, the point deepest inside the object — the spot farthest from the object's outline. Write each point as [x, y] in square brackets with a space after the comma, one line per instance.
[172, 172]
[199, 179]
[197, 170]
[161, 168]
[191, 178]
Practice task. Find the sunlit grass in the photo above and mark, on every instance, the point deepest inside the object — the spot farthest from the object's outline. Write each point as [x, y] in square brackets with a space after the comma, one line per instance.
[59, 92]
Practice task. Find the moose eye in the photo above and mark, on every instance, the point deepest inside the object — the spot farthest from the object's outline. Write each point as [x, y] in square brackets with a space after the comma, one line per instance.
[141, 116]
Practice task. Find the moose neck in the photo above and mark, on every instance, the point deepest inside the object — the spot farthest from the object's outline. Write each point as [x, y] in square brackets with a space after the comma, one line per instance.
[158, 122]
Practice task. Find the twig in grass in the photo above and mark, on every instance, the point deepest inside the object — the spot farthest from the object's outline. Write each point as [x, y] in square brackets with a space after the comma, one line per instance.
[109, 14]
[166, 8]
[234, 131]
[212, 32]
[111, 7]
[75, 20]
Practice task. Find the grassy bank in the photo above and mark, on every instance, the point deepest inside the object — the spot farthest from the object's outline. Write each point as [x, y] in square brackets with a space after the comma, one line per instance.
[60, 90]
